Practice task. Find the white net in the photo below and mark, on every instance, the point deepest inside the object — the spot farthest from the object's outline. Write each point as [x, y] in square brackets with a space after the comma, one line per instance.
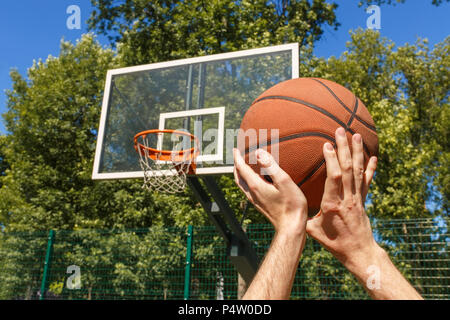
[168, 176]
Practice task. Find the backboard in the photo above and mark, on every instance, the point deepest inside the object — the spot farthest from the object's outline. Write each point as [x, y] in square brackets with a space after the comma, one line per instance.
[206, 96]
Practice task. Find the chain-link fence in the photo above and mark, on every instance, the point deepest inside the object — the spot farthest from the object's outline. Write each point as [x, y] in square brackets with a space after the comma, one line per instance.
[182, 263]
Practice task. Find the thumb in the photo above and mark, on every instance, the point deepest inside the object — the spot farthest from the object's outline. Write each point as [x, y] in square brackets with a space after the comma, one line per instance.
[311, 227]
[314, 227]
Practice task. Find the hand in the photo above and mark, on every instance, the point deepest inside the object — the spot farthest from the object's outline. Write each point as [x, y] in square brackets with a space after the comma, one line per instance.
[281, 202]
[342, 225]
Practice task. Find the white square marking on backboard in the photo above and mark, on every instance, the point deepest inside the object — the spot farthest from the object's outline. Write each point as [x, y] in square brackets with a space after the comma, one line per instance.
[198, 112]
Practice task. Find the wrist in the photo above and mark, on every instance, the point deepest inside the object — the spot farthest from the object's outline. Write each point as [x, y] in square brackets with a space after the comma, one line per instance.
[293, 225]
[291, 240]
[291, 234]
[380, 278]
[360, 262]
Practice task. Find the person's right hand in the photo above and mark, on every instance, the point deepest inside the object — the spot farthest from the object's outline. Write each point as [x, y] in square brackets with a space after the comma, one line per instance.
[342, 225]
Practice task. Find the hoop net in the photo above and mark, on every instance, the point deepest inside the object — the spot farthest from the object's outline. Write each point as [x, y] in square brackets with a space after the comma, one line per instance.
[165, 170]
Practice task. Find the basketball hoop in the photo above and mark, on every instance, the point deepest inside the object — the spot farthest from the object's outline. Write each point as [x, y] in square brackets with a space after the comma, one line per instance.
[165, 170]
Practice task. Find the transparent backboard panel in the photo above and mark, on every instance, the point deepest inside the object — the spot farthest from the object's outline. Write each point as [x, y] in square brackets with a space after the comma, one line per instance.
[136, 98]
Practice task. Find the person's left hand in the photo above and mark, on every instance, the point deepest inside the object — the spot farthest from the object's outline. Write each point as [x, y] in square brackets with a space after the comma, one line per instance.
[281, 202]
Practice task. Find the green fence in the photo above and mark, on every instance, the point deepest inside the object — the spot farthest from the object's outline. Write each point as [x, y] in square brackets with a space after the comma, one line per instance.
[191, 263]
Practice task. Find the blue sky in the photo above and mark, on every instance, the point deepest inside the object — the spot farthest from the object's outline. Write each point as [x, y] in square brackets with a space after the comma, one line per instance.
[32, 30]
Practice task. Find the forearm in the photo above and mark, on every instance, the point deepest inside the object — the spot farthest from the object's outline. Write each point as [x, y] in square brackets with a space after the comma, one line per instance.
[380, 278]
[275, 277]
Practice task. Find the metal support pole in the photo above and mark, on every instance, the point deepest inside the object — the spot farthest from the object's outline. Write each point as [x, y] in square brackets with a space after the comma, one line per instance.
[48, 258]
[240, 250]
[187, 272]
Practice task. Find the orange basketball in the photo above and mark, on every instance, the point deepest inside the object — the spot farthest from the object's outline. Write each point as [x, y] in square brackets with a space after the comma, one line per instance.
[306, 112]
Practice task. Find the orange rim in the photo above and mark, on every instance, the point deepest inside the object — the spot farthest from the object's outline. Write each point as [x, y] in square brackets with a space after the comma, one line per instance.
[166, 155]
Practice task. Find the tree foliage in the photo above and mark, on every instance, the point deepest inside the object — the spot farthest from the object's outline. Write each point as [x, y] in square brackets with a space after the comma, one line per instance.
[3, 163]
[406, 90]
[152, 31]
[52, 118]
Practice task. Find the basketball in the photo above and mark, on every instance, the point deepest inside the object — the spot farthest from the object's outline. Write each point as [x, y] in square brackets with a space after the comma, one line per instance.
[306, 113]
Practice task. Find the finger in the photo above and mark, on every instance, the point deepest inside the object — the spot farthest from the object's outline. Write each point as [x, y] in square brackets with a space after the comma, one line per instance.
[245, 172]
[368, 175]
[242, 185]
[333, 181]
[270, 167]
[345, 161]
[358, 162]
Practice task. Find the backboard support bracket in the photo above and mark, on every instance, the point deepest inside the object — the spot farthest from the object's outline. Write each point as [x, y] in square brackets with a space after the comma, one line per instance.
[239, 248]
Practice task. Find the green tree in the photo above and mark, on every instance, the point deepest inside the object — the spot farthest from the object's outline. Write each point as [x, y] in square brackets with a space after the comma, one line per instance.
[3, 164]
[21, 264]
[52, 119]
[151, 31]
[406, 90]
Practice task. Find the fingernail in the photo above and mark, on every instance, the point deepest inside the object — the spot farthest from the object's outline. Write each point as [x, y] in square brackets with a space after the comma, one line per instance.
[357, 138]
[260, 153]
[263, 156]
[329, 146]
[340, 131]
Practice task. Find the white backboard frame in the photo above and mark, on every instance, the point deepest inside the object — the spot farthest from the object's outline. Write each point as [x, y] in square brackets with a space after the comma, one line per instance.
[96, 175]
